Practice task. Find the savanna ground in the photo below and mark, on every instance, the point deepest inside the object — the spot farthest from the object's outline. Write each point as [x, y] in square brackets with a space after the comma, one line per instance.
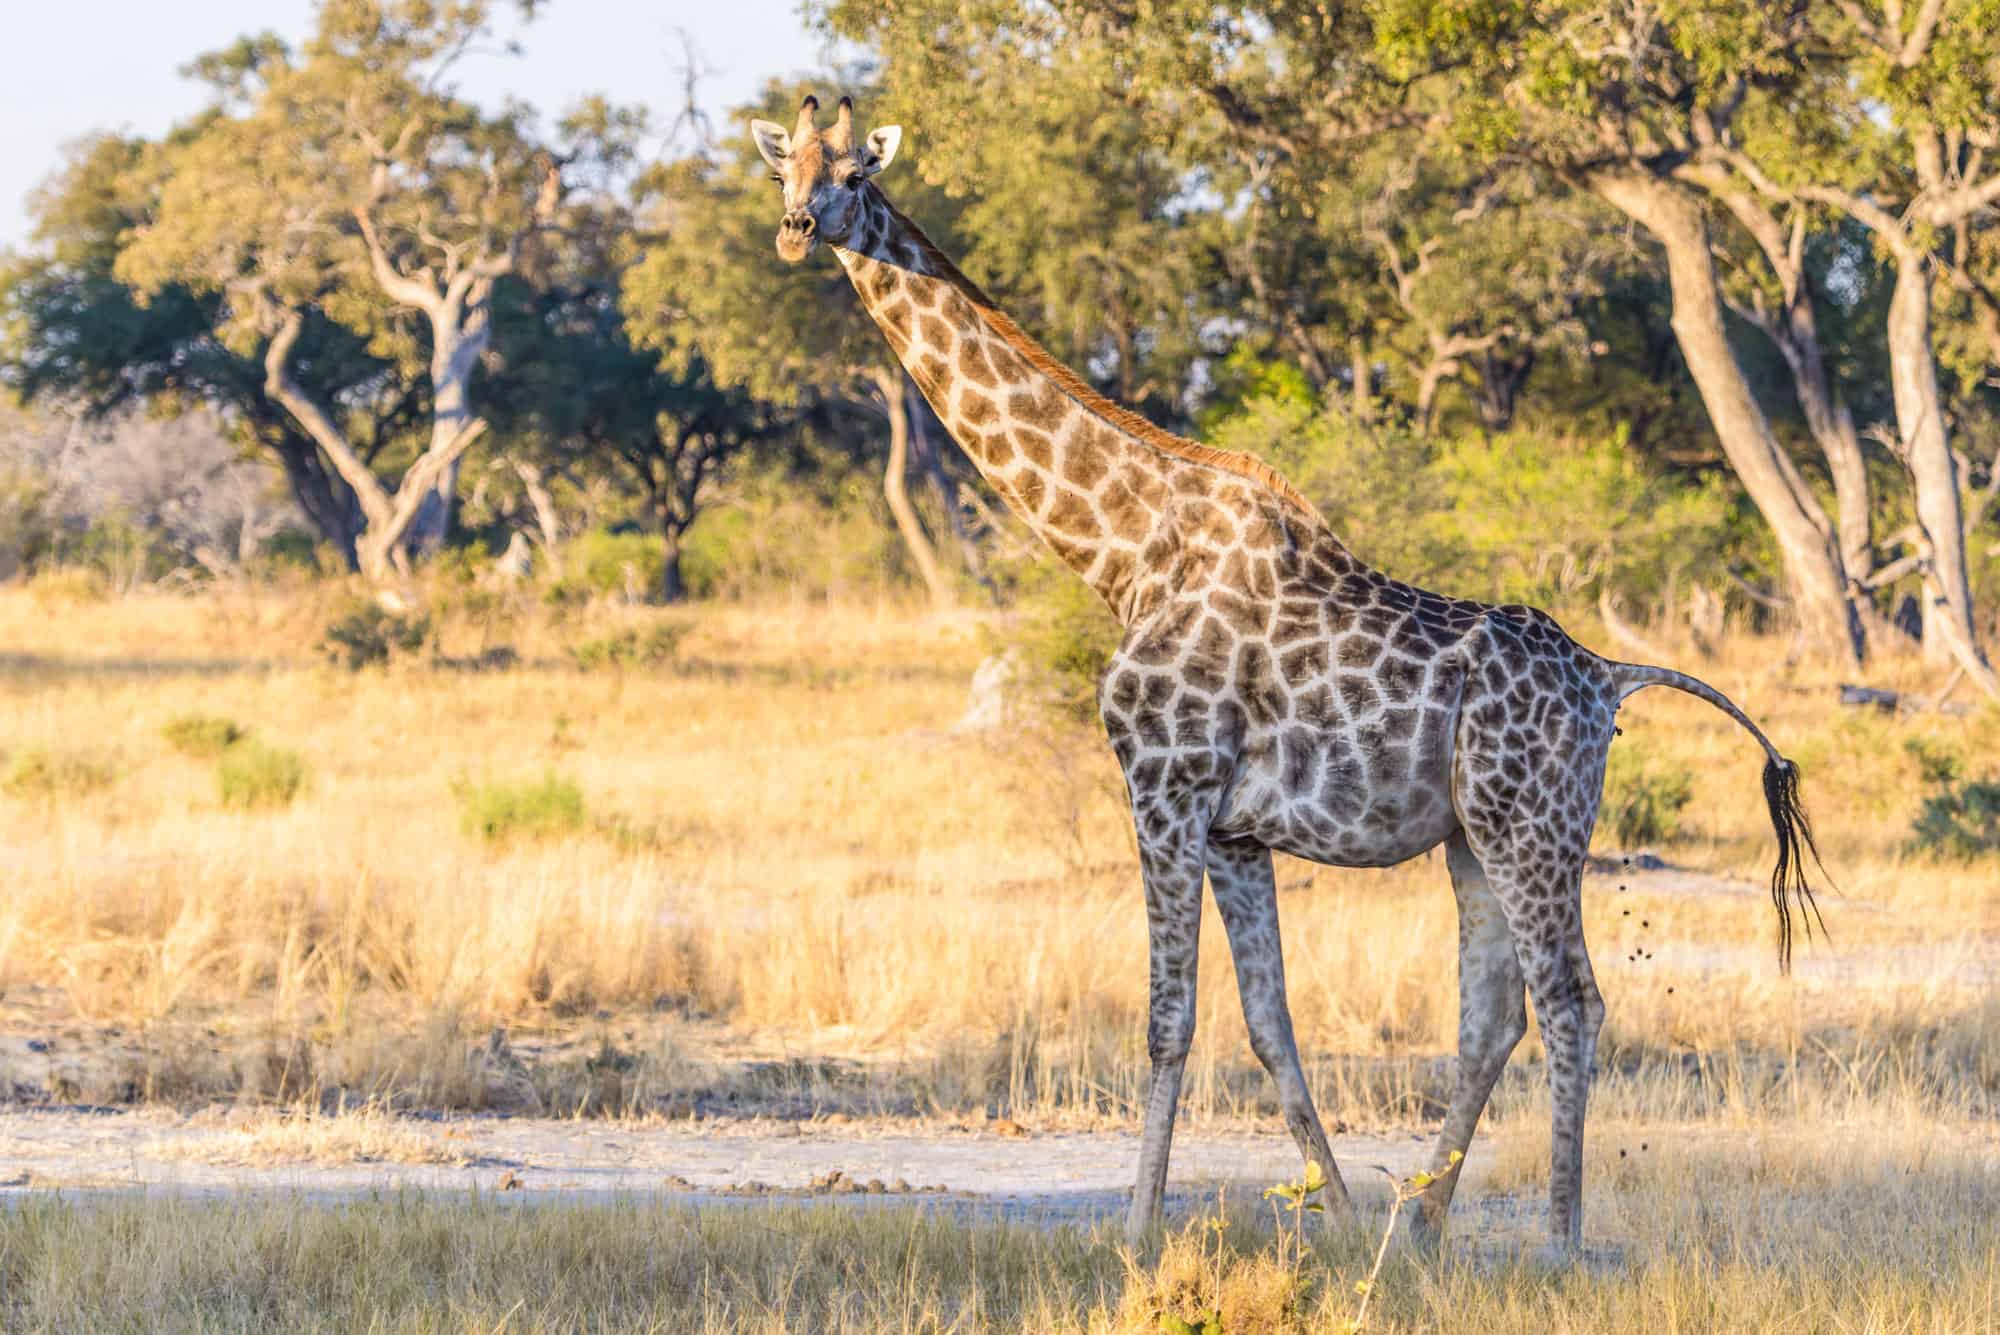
[743, 877]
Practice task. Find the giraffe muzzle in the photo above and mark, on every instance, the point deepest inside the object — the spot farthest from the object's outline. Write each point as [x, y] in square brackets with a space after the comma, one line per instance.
[797, 235]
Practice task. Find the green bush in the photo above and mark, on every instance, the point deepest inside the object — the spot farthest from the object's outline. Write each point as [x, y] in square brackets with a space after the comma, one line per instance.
[363, 633]
[1066, 636]
[41, 772]
[253, 774]
[659, 646]
[610, 564]
[203, 735]
[545, 808]
[1960, 817]
[1521, 518]
[1643, 798]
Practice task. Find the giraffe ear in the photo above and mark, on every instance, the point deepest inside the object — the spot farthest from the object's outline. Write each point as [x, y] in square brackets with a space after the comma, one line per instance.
[882, 146]
[773, 142]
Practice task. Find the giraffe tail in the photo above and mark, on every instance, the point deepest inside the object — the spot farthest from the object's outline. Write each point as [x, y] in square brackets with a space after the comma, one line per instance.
[1781, 794]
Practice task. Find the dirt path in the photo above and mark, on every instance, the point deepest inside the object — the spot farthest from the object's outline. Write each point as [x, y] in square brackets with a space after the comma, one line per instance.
[1049, 1177]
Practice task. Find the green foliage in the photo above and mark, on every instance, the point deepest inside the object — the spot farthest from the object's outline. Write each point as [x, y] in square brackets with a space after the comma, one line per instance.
[203, 735]
[255, 774]
[363, 633]
[1519, 518]
[1066, 637]
[657, 647]
[612, 564]
[550, 807]
[1960, 817]
[42, 772]
[1643, 798]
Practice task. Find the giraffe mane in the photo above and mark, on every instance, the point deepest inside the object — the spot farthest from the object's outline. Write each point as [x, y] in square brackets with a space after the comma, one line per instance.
[1133, 424]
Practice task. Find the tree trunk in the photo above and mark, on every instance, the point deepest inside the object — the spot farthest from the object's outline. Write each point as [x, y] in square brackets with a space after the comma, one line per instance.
[455, 354]
[1794, 330]
[895, 397]
[1427, 390]
[673, 587]
[1949, 631]
[1500, 382]
[1363, 372]
[327, 503]
[1811, 554]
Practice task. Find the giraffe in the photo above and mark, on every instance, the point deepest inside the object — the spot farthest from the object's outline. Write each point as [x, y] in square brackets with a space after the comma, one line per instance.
[1274, 694]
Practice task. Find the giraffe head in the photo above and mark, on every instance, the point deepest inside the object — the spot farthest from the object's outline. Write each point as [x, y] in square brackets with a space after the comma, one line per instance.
[823, 173]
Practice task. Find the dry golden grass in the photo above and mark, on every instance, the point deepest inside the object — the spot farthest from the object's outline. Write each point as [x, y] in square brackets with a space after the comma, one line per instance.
[305, 1135]
[789, 850]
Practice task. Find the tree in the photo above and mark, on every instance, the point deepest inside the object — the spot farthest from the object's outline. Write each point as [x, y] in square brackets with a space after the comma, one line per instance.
[347, 180]
[80, 339]
[1345, 227]
[580, 397]
[1915, 94]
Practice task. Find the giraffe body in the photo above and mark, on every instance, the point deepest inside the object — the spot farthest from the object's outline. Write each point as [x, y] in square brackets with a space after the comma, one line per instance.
[1273, 693]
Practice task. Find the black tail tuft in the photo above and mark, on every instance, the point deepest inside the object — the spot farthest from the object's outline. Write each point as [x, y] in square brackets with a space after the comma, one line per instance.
[1795, 840]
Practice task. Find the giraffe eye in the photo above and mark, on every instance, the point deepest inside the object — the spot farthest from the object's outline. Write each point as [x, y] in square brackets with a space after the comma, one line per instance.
[779, 179]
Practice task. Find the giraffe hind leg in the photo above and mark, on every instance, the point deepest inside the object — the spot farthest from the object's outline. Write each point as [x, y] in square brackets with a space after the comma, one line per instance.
[1541, 896]
[1492, 1017]
[1246, 895]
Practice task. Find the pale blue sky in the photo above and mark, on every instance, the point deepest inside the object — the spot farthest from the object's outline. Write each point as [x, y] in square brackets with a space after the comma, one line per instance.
[72, 67]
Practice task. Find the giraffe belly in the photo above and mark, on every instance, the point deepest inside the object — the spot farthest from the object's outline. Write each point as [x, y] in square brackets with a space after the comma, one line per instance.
[1343, 796]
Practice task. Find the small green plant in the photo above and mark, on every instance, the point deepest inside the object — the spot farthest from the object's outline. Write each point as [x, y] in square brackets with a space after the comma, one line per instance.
[1402, 1192]
[203, 736]
[1960, 817]
[549, 807]
[254, 774]
[659, 646]
[1643, 798]
[1296, 1199]
[366, 634]
[41, 772]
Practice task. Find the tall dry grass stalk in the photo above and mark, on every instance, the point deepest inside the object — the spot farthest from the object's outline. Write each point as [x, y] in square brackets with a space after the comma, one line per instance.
[788, 849]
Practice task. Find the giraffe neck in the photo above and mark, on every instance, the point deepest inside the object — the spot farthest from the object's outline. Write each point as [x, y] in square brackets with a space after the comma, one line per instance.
[1096, 483]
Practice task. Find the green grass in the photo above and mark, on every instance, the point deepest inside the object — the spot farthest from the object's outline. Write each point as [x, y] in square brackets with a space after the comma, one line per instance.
[546, 808]
[203, 736]
[1643, 798]
[253, 774]
[41, 772]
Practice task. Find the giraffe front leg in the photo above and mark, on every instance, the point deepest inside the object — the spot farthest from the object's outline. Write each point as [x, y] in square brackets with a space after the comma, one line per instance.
[1246, 894]
[1173, 920]
[1492, 1017]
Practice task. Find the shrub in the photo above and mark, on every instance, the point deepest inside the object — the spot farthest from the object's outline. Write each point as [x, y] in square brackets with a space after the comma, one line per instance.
[545, 808]
[41, 772]
[617, 564]
[659, 646]
[363, 633]
[1066, 638]
[256, 775]
[1643, 799]
[1960, 818]
[203, 735]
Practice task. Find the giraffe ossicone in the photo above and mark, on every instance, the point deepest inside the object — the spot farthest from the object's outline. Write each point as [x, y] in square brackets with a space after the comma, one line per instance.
[1273, 693]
